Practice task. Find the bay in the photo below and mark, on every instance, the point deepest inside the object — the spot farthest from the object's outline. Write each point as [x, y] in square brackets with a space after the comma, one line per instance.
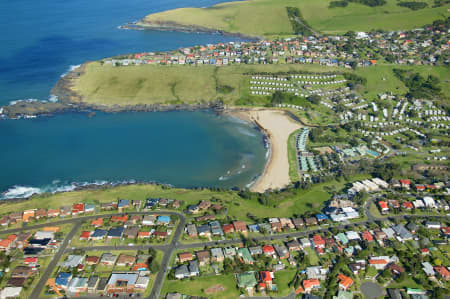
[41, 40]
[185, 149]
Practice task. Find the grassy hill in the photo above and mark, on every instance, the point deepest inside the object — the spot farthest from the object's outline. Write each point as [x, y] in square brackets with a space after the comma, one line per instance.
[156, 84]
[152, 84]
[269, 17]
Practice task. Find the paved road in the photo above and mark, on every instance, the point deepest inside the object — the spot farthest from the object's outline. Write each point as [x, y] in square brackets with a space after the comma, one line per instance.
[174, 245]
[54, 262]
[157, 285]
[85, 218]
[77, 224]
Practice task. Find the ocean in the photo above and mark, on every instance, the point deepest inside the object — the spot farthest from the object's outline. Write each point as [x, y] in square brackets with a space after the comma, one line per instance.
[41, 40]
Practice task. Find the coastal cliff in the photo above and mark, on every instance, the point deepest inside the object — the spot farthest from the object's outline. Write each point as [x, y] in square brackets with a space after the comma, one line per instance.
[146, 24]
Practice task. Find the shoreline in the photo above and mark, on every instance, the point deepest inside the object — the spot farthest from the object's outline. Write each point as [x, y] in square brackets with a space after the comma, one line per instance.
[176, 27]
[277, 125]
[266, 181]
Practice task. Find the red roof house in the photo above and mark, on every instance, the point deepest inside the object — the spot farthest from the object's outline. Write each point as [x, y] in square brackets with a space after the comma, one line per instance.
[367, 236]
[268, 250]
[345, 282]
[228, 228]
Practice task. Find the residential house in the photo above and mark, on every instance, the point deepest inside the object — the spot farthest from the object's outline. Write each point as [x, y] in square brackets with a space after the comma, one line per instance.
[115, 232]
[203, 257]
[217, 254]
[121, 283]
[310, 284]
[255, 250]
[345, 282]
[281, 251]
[125, 260]
[433, 225]
[73, 261]
[298, 223]
[97, 222]
[229, 252]
[191, 230]
[316, 272]
[163, 220]
[228, 228]
[62, 280]
[318, 241]
[293, 245]
[92, 260]
[131, 232]
[149, 220]
[108, 259]
[443, 272]
[245, 255]
[428, 269]
[310, 221]
[379, 263]
[246, 281]
[185, 257]
[268, 250]
[240, 226]
[92, 284]
[98, 234]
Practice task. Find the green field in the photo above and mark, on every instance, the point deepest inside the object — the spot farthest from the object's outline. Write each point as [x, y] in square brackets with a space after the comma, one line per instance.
[269, 17]
[380, 78]
[198, 285]
[157, 84]
[151, 84]
[292, 157]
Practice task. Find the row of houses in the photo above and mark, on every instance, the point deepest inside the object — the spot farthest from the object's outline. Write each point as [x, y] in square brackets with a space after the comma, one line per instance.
[85, 208]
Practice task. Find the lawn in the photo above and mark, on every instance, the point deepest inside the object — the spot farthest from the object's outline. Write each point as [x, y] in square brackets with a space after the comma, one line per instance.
[313, 257]
[282, 278]
[198, 285]
[269, 17]
[292, 157]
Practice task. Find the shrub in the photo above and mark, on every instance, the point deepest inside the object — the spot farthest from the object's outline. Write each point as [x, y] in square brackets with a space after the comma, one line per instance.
[334, 4]
[413, 5]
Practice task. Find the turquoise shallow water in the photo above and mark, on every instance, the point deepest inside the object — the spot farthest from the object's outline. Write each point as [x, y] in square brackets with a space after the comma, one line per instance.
[40, 40]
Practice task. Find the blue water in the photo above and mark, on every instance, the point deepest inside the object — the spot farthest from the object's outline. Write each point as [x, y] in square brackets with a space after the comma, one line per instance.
[40, 40]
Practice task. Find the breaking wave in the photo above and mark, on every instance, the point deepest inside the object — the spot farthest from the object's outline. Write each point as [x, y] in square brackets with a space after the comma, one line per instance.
[52, 98]
[18, 191]
[70, 69]
[23, 101]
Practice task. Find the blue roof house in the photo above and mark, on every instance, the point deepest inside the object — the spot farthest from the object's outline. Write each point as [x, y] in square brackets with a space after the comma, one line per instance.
[164, 220]
[321, 217]
[115, 232]
[63, 279]
[98, 234]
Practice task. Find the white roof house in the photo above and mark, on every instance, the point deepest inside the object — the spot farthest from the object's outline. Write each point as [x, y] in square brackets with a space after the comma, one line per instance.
[418, 204]
[10, 292]
[40, 235]
[352, 235]
[73, 261]
[428, 268]
[429, 202]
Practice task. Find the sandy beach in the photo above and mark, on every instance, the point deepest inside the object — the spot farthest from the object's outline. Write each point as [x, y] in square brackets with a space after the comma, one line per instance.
[278, 126]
